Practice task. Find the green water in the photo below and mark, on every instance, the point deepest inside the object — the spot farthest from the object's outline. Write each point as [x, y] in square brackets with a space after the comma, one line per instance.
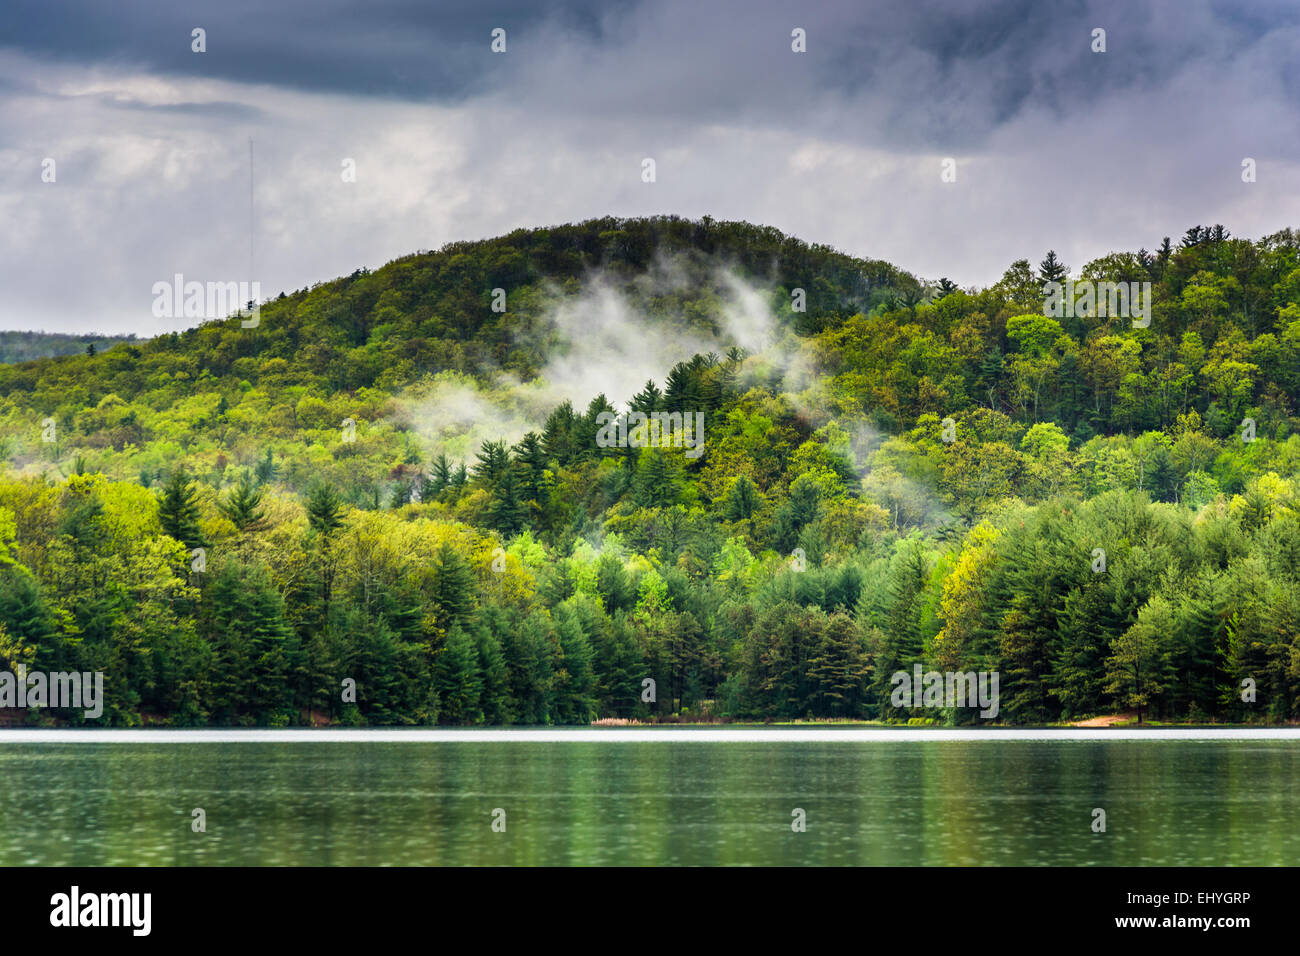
[879, 803]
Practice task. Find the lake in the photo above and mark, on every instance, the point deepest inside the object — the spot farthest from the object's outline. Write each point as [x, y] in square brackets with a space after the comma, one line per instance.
[656, 796]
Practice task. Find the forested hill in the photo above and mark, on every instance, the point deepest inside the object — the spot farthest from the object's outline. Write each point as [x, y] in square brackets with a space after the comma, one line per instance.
[390, 480]
[25, 346]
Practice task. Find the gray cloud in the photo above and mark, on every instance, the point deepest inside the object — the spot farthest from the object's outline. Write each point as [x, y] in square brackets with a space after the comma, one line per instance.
[240, 112]
[1056, 146]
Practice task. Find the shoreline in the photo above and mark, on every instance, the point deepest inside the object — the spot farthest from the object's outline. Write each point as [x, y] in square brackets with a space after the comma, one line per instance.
[646, 734]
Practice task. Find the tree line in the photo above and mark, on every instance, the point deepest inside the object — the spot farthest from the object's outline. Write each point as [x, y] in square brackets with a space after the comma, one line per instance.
[1105, 515]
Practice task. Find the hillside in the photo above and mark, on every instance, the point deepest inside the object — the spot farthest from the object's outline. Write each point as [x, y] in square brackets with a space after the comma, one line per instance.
[402, 478]
[26, 346]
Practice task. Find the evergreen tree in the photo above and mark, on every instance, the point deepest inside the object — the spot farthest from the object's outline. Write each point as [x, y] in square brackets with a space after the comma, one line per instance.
[588, 428]
[493, 462]
[28, 625]
[324, 510]
[837, 670]
[682, 392]
[1052, 269]
[400, 495]
[256, 650]
[742, 500]
[494, 697]
[267, 470]
[1137, 669]
[506, 513]
[659, 482]
[454, 587]
[558, 435]
[613, 585]
[802, 507]
[243, 506]
[178, 512]
[648, 400]
[900, 642]
[437, 480]
[457, 679]
[530, 459]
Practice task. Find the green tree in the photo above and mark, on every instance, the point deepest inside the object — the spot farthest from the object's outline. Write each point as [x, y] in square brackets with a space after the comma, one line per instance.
[178, 511]
[324, 510]
[244, 506]
[1136, 668]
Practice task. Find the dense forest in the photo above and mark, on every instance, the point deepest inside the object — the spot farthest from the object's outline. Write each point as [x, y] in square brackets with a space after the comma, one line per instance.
[25, 346]
[234, 524]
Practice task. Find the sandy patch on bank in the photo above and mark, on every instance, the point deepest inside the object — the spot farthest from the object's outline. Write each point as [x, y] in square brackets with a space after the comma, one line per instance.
[1109, 720]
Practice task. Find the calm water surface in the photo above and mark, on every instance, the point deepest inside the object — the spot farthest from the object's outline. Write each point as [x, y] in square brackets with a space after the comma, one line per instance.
[875, 799]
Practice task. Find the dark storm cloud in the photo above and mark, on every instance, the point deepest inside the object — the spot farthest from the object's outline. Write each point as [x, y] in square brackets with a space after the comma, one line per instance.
[1056, 146]
[242, 112]
[390, 48]
[942, 71]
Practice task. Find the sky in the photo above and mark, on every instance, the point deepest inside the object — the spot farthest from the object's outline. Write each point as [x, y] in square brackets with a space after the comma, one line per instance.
[124, 153]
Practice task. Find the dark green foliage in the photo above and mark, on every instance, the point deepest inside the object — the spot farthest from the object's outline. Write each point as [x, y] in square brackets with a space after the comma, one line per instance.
[178, 512]
[833, 531]
[324, 510]
[243, 506]
[454, 588]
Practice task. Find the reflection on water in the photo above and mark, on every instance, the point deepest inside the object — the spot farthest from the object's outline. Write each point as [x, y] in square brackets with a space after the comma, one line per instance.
[883, 802]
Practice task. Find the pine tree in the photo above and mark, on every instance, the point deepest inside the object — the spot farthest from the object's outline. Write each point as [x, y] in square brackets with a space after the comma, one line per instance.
[648, 400]
[494, 697]
[437, 480]
[324, 510]
[803, 507]
[682, 389]
[1052, 269]
[457, 679]
[525, 646]
[506, 513]
[26, 617]
[531, 461]
[616, 669]
[178, 512]
[575, 703]
[454, 587]
[1163, 255]
[558, 435]
[493, 462]
[243, 506]
[267, 470]
[84, 525]
[588, 427]
[256, 649]
[901, 642]
[659, 482]
[742, 500]
[399, 495]
[1137, 669]
[837, 671]
[613, 585]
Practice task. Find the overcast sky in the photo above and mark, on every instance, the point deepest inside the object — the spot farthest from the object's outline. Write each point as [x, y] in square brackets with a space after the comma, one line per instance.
[1055, 146]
